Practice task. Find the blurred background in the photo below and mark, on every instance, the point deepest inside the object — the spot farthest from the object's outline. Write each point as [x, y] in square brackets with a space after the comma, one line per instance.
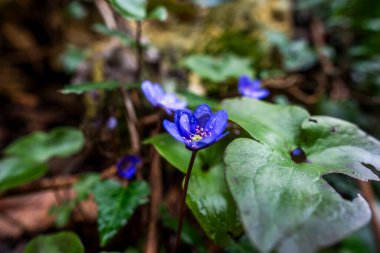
[320, 54]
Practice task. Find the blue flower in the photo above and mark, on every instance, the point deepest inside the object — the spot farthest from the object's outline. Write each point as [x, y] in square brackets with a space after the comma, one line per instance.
[251, 88]
[157, 97]
[199, 129]
[298, 155]
[111, 123]
[127, 165]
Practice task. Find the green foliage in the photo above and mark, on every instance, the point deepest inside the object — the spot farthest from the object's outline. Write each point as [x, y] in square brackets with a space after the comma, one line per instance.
[124, 38]
[283, 204]
[72, 57]
[296, 55]
[62, 242]
[62, 212]
[159, 13]
[116, 204]
[82, 189]
[194, 100]
[130, 9]
[218, 69]
[208, 196]
[189, 234]
[41, 146]
[27, 156]
[86, 87]
[15, 171]
[212, 205]
[174, 152]
[76, 10]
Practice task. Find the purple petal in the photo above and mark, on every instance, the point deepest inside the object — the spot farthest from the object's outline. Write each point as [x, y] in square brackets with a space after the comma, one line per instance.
[256, 84]
[259, 94]
[244, 84]
[187, 124]
[217, 123]
[202, 113]
[172, 129]
[127, 165]
[159, 92]
[153, 92]
[111, 123]
[210, 140]
[170, 102]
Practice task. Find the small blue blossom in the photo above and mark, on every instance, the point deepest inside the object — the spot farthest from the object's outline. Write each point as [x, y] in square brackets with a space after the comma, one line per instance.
[251, 88]
[111, 123]
[157, 97]
[298, 155]
[199, 129]
[127, 166]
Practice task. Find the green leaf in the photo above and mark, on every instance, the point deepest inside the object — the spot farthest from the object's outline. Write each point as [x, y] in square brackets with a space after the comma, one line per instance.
[116, 204]
[130, 9]
[208, 196]
[296, 55]
[76, 10]
[159, 13]
[85, 185]
[123, 37]
[41, 146]
[82, 188]
[62, 212]
[62, 242]
[15, 171]
[277, 125]
[86, 87]
[189, 234]
[194, 100]
[218, 69]
[211, 203]
[283, 205]
[174, 152]
[339, 146]
[72, 57]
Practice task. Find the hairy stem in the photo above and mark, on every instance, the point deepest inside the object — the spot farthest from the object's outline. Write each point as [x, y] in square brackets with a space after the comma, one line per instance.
[183, 200]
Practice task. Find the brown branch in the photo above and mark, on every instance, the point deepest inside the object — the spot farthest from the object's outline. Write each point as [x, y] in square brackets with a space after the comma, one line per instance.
[12, 221]
[60, 182]
[131, 121]
[283, 82]
[368, 194]
[110, 21]
[155, 180]
[339, 89]
[139, 50]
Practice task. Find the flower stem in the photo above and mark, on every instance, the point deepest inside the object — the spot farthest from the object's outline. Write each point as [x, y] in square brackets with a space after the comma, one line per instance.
[183, 200]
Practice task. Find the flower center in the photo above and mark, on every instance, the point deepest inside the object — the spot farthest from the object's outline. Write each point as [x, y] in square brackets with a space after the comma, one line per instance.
[200, 134]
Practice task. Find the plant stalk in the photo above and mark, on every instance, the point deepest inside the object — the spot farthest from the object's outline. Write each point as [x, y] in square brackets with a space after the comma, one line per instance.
[139, 50]
[183, 200]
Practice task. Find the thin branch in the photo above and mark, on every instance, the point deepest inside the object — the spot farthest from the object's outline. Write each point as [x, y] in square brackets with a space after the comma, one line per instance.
[106, 13]
[339, 88]
[155, 180]
[131, 121]
[368, 194]
[13, 221]
[139, 50]
[109, 19]
[60, 182]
